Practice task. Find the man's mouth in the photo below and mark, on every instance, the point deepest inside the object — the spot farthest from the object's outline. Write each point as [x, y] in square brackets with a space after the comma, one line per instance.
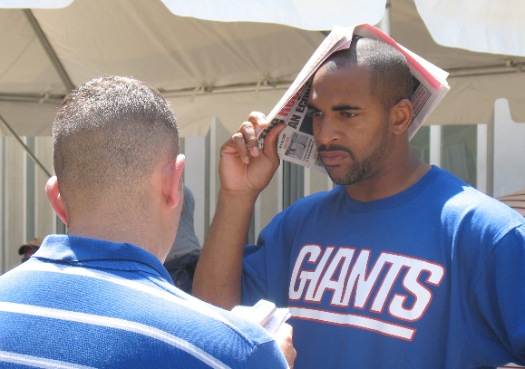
[331, 158]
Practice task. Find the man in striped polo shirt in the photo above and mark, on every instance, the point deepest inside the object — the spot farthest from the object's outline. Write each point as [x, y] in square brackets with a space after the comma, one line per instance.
[99, 297]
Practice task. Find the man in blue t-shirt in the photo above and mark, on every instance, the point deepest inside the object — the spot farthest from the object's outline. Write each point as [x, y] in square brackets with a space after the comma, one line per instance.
[401, 265]
[99, 297]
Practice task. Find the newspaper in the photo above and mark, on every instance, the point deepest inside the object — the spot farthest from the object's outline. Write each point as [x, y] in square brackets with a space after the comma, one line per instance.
[264, 313]
[296, 143]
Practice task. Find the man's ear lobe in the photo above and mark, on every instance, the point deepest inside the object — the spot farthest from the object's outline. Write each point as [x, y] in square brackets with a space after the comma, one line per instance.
[53, 194]
[174, 191]
[401, 115]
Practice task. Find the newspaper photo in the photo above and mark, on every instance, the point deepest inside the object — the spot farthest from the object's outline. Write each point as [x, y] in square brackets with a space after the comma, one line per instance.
[296, 143]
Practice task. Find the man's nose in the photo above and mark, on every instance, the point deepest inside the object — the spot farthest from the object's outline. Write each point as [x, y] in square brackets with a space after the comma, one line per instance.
[327, 132]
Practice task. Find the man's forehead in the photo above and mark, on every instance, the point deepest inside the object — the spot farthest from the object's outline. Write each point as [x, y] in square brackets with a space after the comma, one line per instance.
[345, 89]
[358, 75]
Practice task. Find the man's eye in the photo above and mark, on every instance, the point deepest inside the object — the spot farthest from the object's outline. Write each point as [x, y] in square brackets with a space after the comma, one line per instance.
[348, 114]
[315, 113]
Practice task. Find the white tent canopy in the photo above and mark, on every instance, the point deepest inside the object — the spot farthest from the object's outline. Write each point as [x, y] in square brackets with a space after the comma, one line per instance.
[478, 25]
[184, 58]
[311, 15]
[220, 69]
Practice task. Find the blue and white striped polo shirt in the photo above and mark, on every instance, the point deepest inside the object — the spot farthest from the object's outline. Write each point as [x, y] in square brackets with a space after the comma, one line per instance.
[86, 303]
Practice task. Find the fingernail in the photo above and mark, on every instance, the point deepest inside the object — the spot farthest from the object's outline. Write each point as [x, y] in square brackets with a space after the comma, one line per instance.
[255, 151]
[246, 160]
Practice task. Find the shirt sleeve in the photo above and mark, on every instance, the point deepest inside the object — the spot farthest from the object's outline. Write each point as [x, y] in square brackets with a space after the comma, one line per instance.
[267, 355]
[499, 300]
[253, 275]
[266, 268]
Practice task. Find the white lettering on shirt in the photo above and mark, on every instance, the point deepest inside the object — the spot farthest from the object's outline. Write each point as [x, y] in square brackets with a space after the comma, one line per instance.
[398, 285]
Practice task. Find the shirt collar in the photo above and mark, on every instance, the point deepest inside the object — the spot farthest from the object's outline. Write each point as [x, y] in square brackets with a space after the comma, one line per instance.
[95, 253]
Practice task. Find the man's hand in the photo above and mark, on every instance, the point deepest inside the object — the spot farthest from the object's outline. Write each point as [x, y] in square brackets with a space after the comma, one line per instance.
[244, 166]
[284, 338]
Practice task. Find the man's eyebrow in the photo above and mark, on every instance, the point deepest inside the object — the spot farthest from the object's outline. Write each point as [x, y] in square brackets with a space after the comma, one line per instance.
[311, 106]
[335, 108]
[345, 107]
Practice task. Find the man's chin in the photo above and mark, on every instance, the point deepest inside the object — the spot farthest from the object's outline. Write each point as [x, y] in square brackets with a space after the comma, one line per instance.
[334, 172]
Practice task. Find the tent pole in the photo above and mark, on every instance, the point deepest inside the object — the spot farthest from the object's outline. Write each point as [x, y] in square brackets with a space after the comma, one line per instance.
[26, 148]
[490, 154]
[49, 50]
[385, 24]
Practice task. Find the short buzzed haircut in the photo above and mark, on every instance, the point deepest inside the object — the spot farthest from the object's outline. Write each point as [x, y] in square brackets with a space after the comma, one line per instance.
[391, 79]
[109, 134]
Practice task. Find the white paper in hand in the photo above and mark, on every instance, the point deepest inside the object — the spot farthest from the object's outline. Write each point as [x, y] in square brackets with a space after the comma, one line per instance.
[264, 313]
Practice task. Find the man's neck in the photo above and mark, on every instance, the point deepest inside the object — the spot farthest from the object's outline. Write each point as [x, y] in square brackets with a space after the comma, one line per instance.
[118, 232]
[388, 182]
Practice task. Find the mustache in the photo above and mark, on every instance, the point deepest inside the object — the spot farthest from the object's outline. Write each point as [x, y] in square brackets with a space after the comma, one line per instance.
[325, 148]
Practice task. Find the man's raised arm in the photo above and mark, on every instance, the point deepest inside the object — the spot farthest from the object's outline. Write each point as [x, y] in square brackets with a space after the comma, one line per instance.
[244, 170]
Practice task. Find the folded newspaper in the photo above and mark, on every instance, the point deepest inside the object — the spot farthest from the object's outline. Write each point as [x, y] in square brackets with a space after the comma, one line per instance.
[264, 313]
[296, 143]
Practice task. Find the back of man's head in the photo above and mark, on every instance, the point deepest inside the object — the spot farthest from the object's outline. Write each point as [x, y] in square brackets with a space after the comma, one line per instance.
[108, 136]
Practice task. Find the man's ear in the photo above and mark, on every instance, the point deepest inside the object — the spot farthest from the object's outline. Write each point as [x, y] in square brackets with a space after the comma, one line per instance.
[172, 187]
[53, 194]
[401, 116]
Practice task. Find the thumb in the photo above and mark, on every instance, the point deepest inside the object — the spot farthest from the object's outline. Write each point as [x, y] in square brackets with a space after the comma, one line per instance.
[270, 142]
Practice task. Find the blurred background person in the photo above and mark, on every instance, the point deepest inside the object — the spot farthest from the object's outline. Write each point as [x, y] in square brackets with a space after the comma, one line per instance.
[184, 254]
[29, 248]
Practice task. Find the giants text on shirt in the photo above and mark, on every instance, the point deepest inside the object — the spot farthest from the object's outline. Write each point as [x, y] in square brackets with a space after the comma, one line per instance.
[397, 285]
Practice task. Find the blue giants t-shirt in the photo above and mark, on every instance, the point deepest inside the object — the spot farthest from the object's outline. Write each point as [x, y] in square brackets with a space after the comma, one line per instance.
[433, 277]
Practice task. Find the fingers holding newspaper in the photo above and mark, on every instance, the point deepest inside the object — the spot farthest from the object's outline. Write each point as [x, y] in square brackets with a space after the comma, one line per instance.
[244, 165]
[246, 136]
[273, 320]
[283, 337]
